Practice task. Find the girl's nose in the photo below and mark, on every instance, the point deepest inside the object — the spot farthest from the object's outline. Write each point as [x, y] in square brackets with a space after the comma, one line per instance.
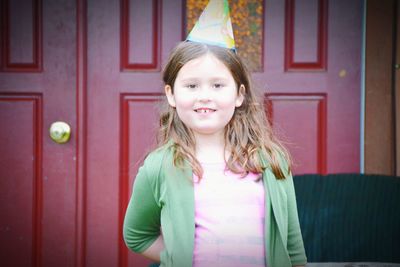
[204, 95]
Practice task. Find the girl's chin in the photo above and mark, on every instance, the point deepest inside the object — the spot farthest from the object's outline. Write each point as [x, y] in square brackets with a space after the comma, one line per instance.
[208, 131]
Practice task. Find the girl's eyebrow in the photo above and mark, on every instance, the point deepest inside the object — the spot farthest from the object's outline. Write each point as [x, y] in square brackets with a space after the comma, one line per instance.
[215, 78]
[190, 79]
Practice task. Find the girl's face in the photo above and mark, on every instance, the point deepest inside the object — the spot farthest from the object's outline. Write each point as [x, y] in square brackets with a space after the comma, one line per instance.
[205, 95]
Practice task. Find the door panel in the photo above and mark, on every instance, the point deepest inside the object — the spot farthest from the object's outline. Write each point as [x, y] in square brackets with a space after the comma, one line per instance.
[20, 188]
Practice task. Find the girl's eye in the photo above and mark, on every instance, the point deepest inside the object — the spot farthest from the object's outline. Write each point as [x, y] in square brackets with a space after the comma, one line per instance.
[218, 85]
[191, 86]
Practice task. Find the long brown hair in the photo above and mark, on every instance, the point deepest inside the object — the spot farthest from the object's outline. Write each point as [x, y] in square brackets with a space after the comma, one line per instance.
[248, 135]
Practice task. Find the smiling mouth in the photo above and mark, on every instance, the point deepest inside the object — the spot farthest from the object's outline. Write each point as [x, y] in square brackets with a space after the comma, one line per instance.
[204, 110]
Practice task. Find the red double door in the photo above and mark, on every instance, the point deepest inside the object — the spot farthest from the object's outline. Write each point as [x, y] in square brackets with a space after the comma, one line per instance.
[95, 65]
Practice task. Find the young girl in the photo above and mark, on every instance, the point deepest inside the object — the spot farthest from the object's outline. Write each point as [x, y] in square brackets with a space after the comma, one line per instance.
[218, 191]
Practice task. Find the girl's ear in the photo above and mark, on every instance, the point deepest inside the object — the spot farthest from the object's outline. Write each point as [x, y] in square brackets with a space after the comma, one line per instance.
[170, 95]
[240, 97]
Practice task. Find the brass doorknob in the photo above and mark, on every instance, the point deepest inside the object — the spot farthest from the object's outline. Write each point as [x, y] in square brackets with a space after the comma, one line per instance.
[60, 132]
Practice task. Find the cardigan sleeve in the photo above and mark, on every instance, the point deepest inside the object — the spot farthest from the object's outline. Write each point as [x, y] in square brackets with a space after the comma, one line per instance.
[142, 219]
[295, 244]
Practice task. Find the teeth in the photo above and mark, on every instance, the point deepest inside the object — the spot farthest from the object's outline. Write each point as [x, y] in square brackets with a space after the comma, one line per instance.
[204, 110]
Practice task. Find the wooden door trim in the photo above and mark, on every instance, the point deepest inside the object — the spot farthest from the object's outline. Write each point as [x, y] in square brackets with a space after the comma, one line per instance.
[81, 132]
[379, 118]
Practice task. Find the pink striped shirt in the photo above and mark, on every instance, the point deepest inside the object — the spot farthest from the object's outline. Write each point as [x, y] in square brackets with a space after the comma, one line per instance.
[229, 219]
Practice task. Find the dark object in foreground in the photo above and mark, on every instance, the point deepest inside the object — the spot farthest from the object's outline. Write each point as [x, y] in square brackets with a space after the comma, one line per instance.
[349, 217]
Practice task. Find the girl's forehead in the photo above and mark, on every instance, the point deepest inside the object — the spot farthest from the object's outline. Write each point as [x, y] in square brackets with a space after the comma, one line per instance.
[207, 64]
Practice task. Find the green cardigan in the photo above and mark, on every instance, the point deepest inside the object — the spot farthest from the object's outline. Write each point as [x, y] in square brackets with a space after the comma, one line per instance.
[163, 196]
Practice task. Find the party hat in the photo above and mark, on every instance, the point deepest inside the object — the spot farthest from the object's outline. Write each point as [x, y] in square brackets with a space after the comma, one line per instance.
[214, 26]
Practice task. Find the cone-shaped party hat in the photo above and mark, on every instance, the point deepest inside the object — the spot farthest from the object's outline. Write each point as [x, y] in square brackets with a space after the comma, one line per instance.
[214, 26]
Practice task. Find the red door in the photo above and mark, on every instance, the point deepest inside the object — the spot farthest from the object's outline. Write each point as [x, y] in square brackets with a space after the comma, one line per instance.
[37, 175]
[309, 76]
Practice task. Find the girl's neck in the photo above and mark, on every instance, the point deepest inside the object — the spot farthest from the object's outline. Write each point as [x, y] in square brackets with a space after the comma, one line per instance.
[210, 148]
